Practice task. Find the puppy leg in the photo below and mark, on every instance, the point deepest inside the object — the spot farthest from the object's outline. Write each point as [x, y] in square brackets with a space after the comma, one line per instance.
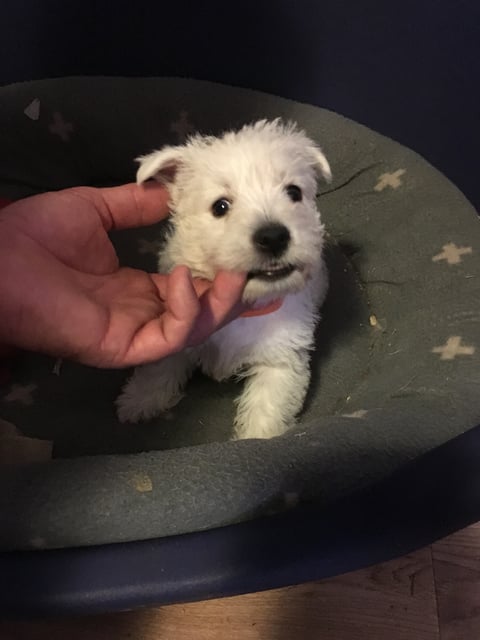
[154, 388]
[273, 396]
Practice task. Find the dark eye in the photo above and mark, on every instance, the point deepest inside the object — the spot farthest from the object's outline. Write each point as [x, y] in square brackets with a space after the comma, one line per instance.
[294, 193]
[220, 207]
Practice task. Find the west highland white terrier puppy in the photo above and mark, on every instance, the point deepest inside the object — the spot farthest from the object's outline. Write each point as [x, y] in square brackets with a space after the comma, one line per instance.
[244, 201]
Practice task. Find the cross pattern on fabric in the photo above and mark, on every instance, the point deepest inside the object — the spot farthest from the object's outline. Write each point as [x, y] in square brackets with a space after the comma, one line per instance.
[32, 110]
[391, 180]
[148, 246]
[21, 393]
[182, 127]
[59, 127]
[452, 254]
[453, 348]
[358, 415]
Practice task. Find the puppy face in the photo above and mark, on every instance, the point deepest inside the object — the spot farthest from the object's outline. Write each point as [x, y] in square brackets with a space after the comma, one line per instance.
[244, 202]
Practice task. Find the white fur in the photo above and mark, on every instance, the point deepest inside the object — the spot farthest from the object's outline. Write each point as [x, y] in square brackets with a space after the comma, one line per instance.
[251, 168]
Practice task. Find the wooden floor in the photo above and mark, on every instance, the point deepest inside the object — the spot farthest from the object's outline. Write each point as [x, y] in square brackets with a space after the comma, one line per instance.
[433, 594]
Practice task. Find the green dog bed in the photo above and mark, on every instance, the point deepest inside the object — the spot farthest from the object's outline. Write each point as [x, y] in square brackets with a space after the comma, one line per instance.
[395, 372]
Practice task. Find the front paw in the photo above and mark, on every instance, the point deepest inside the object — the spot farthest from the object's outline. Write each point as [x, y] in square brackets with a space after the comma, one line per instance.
[153, 389]
[135, 406]
[272, 398]
[127, 412]
[259, 426]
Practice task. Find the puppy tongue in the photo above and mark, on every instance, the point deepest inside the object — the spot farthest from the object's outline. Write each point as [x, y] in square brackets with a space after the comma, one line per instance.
[263, 311]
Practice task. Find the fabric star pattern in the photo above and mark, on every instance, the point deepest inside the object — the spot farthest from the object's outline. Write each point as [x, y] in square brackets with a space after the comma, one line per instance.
[182, 127]
[59, 127]
[20, 393]
[452, 254]
[391, 180]
[453, 348]
[148, 246]
[32, 110]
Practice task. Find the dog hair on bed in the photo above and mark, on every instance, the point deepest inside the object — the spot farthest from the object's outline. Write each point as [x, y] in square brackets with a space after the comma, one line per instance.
[244, 201]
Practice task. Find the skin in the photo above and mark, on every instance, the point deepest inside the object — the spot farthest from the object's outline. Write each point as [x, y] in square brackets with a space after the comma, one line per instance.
[63, 293]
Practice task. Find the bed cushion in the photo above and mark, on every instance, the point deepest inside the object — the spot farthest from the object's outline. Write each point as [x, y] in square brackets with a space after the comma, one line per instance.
[395, 372]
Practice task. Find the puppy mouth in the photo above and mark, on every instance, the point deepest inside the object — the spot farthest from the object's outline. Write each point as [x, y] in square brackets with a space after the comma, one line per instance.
[272, 274]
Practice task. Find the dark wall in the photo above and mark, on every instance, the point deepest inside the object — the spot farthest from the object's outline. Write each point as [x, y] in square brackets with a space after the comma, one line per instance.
[410, 69]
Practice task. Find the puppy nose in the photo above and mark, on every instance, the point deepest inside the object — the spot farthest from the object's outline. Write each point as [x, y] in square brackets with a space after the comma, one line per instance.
[272, 239]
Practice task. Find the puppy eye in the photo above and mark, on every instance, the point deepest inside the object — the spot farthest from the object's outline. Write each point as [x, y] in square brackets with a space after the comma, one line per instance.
[294, 193]
[220, 207]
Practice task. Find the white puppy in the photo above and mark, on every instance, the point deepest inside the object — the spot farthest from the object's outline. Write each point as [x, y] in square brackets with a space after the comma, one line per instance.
[244, 201]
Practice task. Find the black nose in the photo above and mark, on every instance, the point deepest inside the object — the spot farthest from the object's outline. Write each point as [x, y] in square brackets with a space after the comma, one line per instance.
[272, 239]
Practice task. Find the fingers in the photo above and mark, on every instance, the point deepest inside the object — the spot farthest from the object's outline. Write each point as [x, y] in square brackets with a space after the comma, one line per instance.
[135, 205]
[188, 319]
[220, 303]
[170, 332]
[129, 205]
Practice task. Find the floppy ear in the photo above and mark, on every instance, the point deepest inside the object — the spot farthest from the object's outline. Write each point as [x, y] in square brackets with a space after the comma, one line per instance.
[321, 163]
[161, 165]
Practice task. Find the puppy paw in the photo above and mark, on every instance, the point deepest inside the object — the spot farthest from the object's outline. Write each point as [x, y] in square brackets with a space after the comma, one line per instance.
[128, 410]
[132, 408]
[272, 398]
[259, 427]
[153, 389]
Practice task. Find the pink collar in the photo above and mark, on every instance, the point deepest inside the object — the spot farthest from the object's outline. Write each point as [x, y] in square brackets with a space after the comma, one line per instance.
[263, 311]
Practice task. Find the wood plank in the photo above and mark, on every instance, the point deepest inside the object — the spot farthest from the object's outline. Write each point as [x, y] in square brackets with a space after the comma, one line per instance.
[456, 564]
[391, 601]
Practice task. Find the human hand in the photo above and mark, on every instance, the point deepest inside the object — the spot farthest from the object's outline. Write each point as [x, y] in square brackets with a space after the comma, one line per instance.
[63, 293]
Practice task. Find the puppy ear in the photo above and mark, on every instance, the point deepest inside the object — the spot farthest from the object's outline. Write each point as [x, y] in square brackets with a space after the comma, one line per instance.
[321, 163]
[161, 165]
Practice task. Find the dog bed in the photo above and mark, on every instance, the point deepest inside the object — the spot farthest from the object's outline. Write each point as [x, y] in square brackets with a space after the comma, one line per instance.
[395, 372]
